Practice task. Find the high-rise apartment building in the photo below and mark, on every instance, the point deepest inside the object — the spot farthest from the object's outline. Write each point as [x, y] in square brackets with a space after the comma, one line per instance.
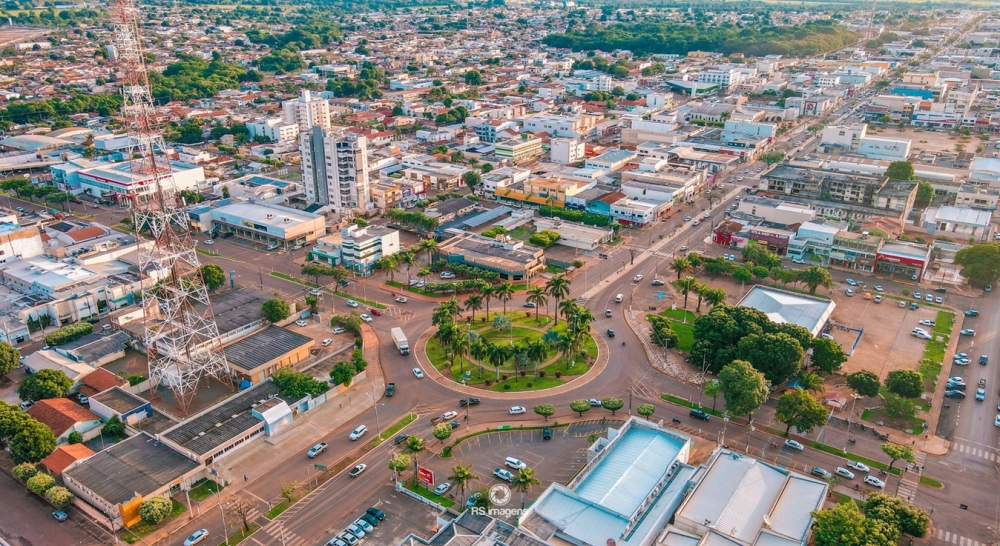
[335, 168]
[307, 111]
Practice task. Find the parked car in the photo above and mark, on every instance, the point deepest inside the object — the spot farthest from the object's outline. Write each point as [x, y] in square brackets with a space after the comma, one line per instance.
[327, 342]
[817, 471]
[980, 395]
[984, 360]
[82, 398]
[317, 449]
[301, 323]
[938, 300]
[517, 410]
[315, 292]
[968, 332]
[859, 466]
[356, 531]
[401, 438]
[370, 519]
[594, 403]
[851, 282]
[972, 313]
[792, 444]
[929, 298]
[376, 513]
[503, 474]
[927, 322]
[339, 330]
[658, 282]
[60, 515]
[841, 471]
[878, 287]
[547, 433]
[473, 499]
[878, 299]
[954, 394]
[347, 538]
[357, 470]
[442, 489]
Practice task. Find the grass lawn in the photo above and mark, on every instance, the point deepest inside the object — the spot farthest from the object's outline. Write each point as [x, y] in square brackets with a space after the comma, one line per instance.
[277, 510]
[428, 494]
[521, 232]
[141, 529]
[391, 431]
[240, 536]
[436, 354]
[678, 315]
[914, 425]
[944, 323]
[541, 322]
[497, 336]
[203, 489]
[554, 269]
[685, 335]
[521, 385]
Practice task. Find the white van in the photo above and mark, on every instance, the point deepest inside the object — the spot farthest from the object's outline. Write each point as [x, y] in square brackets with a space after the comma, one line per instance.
[619, 298]
[516, 464]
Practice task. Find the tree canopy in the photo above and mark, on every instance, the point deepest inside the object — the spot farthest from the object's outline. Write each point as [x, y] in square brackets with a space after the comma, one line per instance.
[194, 78]
[44, 384]
[718, 334]
[777, 356]
[864, 382]
[797, 408]
[827, 355]
[900, 170]
[980, 263]
[275, 310]
[743, 387]
[905, 383]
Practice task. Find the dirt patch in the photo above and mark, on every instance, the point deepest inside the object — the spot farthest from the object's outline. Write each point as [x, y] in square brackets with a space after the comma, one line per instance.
[701, 450]
[886, 343]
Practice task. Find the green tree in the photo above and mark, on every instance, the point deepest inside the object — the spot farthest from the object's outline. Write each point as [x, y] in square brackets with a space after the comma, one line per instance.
[742, 274]
[59, 496]
[897, 452]
[895, 511]
[24, 471]
[777, 356]
[504, 293]
[558, 288]
[389, 264]
[399, 462]
[712, 390]
[685, 286]
[613, 404]
[537, 296]
[213, 275]
[74, 438]
[545, 410]
[864, 382]
[32, 442]
[312, 302]
[473, 77]
[524, 481]
[898, 407]
[905, 383]
[900, 170]
[461, 477]
[772, 157]
[113, 428]
[814, 277]
[154, 510]
[580, 406]
[980, 263]
[471, 179]
[414, 446]
[343, 373]
[441, 431]
[40, 483]
[827, 355]
[845, 525]
[9, 358]
[799, 409]
[645, 410]
[743, 388]
[45, 384]
[275, 310]
[925, 194]
[681, 266]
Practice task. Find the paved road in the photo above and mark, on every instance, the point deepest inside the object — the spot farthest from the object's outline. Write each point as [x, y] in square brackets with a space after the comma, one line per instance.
[26, 520]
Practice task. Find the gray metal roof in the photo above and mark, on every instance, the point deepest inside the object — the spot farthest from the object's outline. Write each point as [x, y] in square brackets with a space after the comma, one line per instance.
[788, 307]
[138, 465]
[119, 400]
[263, 346]
[94, 347]
[222, 422]
[236, 308]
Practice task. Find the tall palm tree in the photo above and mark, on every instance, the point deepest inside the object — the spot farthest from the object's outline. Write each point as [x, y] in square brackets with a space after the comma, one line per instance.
[524, 481]
[497, 355]
[813, 277]
[423, 273]
[537, 296]
[390, 264]
[446, 334]
[428, 246]
[409, 259]
[558, 288]
[537, 352]
[681, 266]
[685, 286]
[479, 351]
[461, 477]
[504, 292]
[414, 445]
[567, 308]
[474, 303]
[441, 315]
[488, 292]
[460, 345]
[715, 296]
[702, 290]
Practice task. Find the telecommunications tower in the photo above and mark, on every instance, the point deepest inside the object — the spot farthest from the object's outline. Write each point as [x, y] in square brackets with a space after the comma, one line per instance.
[181, 337]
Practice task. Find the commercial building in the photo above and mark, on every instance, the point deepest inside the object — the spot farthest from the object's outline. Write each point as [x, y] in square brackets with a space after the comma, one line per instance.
[436, 176]
[19, 242]
[776, 211]
[612, 160]
[269, 224]
[116, 181]
[892, 149]
[812, 239]
[520, 150]
[633, 481]
[906, 261]
[958, 222]
[785, 307]
[257, 356]
[833, 193]
[856, 251]
[356, 248]
[567, 150]
[450, 209]
[974, 196]
[307, 111]
[576, 126]
[335, 168]
[575, 235]
[725, 78]
[511, 259]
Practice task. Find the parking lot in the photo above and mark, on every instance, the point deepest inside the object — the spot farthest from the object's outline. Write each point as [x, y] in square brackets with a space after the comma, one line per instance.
[403, 516]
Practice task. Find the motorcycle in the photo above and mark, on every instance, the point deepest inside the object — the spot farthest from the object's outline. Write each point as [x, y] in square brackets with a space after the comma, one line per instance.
[676, 420]
[852, 440]
[883, 473]
[623, 344]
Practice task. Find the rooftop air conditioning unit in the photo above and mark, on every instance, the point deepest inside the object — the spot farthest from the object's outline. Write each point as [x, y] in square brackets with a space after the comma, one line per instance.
[270, 216]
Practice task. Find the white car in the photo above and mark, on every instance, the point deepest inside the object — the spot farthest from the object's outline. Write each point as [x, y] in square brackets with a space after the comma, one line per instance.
[792, 444]
[515, 410]
[402, 299]
[366, 317]
[441, 489]
[209, 242]
[196, 537]
[418, 373]
[301, 323]
[448, 415]
[637, 278]
[352, 303]
[841, 471]
[926, 322]
[327, 342]
[358, 432]
[339, 330]
[859, 466]
[873, 481]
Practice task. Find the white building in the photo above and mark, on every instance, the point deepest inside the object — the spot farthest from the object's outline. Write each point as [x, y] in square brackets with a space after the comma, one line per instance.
[335, 168]
[844, 137]
[611, 160]
[958, 223]
[892, 149]
[567, 150]
[115, 180]
[276, 129]
[726, 78]
[19, 242]
[356, 248]
[307, 111]
[561, 126]
[269, 224]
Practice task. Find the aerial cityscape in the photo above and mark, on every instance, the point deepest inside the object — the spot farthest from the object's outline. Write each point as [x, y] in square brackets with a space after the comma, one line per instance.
[500, 273]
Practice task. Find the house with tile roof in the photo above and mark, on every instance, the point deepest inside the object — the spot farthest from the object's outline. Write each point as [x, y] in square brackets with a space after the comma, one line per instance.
[100, 380]
[65, 455]
[64, 416]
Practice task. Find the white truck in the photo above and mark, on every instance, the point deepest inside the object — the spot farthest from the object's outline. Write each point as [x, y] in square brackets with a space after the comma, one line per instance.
[400, 340]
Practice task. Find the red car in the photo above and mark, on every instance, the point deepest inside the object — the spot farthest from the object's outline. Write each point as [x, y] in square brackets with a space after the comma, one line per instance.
[376, 312]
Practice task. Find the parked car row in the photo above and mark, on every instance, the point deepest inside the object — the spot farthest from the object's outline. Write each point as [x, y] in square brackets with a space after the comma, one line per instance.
[364, 525]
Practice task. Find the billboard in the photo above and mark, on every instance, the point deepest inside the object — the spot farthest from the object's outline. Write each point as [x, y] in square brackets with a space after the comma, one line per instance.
[425, 475]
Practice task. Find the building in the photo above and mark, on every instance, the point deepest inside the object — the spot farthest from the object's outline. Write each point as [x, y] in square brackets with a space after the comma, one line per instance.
[64, 417]
[742, 501]
[958, 222]
[899, 260]
[118, 402]
[511, 259]
[812, 240]
[116, 181]
[612, 160]
[275, 129]
[783, 307]
[567, 150]
[18, 242]
[489, 130]
[575, 235]
[521, 150]
[269, 224]
[257, 356]
[573, 126]
[856, 251]
[386, 196]
[832, 193]
[450, 209]
[117, 480]
[842, 138]
[976, 197]
[472, 529]
[356, 248]
[335, 168]
[891, 149]
[631, 212]
[63, 456]
[436, 176]
[776, 211]
[725, 78]
[626, 494]
[306, 111]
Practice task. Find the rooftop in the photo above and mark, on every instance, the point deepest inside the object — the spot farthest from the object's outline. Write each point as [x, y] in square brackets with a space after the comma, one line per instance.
[222, 422]
[235, 309]
[119, 400]
[65, 455]
[961, 215]
[93, 347]
[264, 346]
[121, 173]
[139, 465]
[60, 414]
[485, 251]
[265, 214]
[788, 307]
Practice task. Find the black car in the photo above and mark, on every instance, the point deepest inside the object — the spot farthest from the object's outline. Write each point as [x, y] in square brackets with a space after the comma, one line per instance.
[954, 394]
[547, 433]
[470, 401]
[699, 414]
[972, 313]
[611, 333]
[401, 438]
[372, 511]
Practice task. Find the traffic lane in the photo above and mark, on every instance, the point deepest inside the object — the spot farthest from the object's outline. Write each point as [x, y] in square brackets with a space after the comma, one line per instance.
[27, 520]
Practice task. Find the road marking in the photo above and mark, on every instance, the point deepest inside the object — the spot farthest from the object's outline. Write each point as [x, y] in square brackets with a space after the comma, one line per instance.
[955, 538]
[977, 452]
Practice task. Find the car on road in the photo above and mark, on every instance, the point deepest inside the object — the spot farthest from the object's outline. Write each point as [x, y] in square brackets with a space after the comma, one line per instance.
[504, 475]
[962, 361]
[980, 395]
[339, 330]
[375, 311]
[792, 444]
[683, 248]
[968, 332]
[859, 466]
[442, 489]
[470, 401]
[798, 261]
[317, 449]
[594, 403]
[878, 288]
[418, 373]
[352, 303]
[517, 410]
[996, 422]
[817, 471]
[196, 537]
[21, 209]
[296, 247]
[875, 482]
[454, 424]
[954, 394]
[926, 322]
[841, 471]
[529, 304]
[687, 218]
[448, 415]
[365, 317]
[637, 278]
[60, 515]
[607, 313]
[402, 299]
[357, 470]
[401, 438]
[315, 292]
[696, 223]
[984, 360]
[358, 432]
[961, 355]
[851, 282]
[301, 323]
[658, 282]
[611, 333]
[327, 342]
[972, 313]
[209, 242]
[699, 414]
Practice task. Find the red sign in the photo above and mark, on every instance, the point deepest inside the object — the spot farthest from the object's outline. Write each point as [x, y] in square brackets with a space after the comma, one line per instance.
[425, 475]
[899, 260]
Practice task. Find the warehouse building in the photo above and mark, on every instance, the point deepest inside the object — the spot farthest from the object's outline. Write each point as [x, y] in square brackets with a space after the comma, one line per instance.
[269, 224]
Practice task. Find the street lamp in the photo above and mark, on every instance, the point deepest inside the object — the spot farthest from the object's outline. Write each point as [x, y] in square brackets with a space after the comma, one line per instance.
[378, 427]
[225, 532]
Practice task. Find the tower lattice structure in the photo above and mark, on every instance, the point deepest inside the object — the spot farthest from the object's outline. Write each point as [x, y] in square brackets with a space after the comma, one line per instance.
[181, 337]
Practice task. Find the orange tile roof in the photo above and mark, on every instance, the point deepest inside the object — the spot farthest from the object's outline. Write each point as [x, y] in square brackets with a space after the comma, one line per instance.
[100, 380]
[86, 233]
[60, 414]
[63, 456]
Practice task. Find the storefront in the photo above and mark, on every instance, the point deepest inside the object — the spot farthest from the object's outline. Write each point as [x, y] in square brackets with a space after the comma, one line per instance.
[903, 261]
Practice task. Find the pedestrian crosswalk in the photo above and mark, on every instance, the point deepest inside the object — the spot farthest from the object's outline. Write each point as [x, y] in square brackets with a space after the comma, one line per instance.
[985, 453]
[279, 535]
[955, 538]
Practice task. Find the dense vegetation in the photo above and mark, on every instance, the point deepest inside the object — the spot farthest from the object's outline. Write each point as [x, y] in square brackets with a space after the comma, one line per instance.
[22, 112]
[364, 87]
[193, 78]
[645, 38]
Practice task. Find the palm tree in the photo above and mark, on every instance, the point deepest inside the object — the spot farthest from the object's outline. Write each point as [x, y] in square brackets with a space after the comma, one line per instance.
[460, 345]
[811, 382]
[462, 476]
[474, 303]
[442, 314]
[681, 266]
[566, 308]
[390, 264]
[685, 286]
[537, 296]
[423, 273]
[504, 292]
[479, 351]
[524, 481]
[428, 246]
[409, 259]
[497, 355]
[701, 290]
[488, 292]
[446, 334]
[813, 277]
[537, 352]
[414, 445]
[715, 296]
[558, 288]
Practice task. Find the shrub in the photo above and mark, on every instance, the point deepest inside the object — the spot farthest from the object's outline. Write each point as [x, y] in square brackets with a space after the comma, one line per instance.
[522, 373]
[446, 451]
[503, 377]
[530, 384]
[59, 496]
[25, 471]
[506, 386]
[154, 510]
[558, 374]
[40, 483]
[75, 438]
[544, 238]
[489, 382]
[69, 333]
[541, 373]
